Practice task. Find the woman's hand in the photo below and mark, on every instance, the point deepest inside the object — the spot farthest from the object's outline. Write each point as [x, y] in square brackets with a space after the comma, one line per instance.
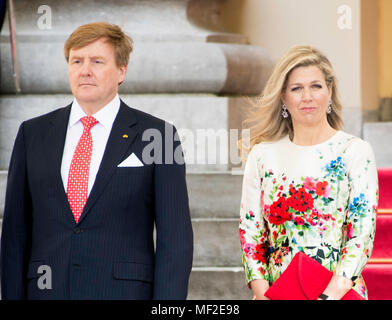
[338, 287]
[259, 288]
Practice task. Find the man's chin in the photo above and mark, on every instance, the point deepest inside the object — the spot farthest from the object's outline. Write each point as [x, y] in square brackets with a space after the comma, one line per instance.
[84, 99]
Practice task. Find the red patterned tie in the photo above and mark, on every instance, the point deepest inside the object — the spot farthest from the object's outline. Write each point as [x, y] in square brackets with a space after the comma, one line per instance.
[77, 189]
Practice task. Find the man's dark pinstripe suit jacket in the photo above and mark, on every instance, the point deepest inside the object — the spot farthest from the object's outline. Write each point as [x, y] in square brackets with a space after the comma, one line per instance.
[109, 253]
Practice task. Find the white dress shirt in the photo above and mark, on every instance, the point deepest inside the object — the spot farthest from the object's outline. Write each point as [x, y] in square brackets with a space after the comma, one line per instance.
[100, 135]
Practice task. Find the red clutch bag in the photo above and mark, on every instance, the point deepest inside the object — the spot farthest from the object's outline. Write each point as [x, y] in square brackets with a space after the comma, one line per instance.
[304, 279]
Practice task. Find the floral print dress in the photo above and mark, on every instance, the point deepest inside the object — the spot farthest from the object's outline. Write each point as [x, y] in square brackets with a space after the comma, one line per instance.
[318, 199]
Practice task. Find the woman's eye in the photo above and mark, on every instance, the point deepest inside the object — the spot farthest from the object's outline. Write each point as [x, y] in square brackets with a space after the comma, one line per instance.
[318, 86]
[295, 89]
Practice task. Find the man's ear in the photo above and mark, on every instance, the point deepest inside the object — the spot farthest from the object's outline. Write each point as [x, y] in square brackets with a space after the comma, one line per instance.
[123, 72]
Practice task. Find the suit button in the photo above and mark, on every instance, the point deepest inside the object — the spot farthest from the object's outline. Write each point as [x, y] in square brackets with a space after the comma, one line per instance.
[78, 230]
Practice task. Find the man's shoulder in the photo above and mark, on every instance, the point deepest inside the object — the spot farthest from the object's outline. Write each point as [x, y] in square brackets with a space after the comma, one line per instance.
[41, 119]
[146, 120]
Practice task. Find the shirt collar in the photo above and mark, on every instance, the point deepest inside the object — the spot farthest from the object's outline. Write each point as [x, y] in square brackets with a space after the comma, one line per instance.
[104, 116]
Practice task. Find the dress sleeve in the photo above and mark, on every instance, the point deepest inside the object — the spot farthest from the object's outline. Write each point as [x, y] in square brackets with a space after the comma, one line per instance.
[360, 224]
[253, 231]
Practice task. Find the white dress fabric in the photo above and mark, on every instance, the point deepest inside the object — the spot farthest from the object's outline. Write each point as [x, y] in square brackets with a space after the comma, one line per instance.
[319, 199]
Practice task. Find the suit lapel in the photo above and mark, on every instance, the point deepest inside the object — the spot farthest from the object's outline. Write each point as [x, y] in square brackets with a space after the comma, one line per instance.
[116, 148]
[54, 141]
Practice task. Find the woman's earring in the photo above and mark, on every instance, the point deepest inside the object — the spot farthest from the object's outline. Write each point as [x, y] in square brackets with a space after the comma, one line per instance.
[285, 114]
[329, 108]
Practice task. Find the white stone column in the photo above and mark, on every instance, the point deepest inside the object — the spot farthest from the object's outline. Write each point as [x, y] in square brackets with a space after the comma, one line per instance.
[172, 51]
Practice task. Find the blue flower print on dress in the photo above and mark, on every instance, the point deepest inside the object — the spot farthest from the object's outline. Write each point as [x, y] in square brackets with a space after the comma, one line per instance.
[336, 169]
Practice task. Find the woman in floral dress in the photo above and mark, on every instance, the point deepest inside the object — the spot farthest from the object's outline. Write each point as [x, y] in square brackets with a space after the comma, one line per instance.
[308, 186]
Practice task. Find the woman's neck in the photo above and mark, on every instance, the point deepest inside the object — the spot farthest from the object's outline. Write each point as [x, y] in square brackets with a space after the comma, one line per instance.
[307, 136]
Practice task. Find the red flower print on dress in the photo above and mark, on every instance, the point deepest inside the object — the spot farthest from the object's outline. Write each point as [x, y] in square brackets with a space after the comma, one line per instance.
[344, 251]
[314, 217]
[300, 200]
[278, 213]
[260, 252]
[316, 213]
[249, 249]
[328, 216]
[278, 258]
[350, 230]
[262, 199]
[322, 189]
[299, 221]
[242, 238]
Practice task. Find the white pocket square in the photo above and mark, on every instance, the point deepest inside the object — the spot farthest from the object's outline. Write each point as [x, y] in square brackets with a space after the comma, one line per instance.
[131, 161]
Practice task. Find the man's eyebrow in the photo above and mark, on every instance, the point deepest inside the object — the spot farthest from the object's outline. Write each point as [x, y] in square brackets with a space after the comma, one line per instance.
[93, 57]
[97, 57]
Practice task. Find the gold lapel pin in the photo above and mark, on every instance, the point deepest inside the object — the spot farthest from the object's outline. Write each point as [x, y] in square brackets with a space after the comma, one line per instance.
[125, 136]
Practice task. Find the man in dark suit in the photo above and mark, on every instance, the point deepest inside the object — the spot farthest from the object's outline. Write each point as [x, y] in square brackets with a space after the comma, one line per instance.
[83, 194]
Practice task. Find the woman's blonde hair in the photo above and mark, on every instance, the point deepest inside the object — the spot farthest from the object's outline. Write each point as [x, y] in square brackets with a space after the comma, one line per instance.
[265, 121]
[91, 32]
